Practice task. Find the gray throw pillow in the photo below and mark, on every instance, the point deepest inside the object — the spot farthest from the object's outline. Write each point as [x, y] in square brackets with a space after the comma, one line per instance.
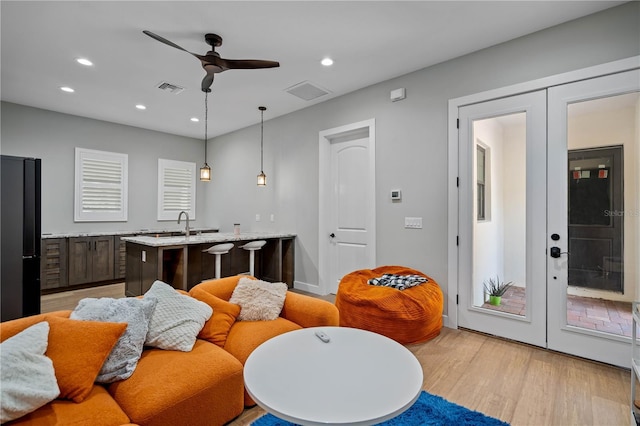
[177, 319]
[123, 359]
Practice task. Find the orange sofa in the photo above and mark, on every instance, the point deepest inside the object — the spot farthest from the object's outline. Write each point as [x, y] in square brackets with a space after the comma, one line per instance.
[201, 387]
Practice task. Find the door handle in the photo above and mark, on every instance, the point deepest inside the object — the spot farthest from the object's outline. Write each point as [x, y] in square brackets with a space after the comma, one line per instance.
[332, 235]
[556, 252]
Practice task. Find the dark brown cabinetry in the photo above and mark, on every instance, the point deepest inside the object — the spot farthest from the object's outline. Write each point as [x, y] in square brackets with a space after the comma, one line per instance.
[90, 259]
[53, 265]
[119, 257]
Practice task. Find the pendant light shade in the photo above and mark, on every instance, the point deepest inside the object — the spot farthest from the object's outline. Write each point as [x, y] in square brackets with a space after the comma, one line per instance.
[262, 178]
[205, 171]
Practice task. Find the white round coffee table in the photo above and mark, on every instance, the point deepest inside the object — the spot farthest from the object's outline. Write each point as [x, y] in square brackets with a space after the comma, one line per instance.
[357, 378]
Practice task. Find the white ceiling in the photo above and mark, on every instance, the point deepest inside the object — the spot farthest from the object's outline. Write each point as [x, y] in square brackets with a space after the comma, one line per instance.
[369, 42]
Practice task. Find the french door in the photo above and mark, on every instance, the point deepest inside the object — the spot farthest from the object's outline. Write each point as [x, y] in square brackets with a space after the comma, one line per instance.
[594, 156]
[548, 203]
[502, 221]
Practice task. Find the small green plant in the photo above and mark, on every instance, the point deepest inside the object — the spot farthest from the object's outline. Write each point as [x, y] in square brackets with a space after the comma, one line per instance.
[495, 287]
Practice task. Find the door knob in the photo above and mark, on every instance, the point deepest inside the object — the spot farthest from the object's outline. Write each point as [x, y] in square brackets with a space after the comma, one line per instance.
[332, 235]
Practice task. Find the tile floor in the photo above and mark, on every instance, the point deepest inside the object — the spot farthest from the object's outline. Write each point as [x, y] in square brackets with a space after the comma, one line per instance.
[596, 314]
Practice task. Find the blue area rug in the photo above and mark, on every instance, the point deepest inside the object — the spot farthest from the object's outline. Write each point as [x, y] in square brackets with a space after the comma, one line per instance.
[428, 410]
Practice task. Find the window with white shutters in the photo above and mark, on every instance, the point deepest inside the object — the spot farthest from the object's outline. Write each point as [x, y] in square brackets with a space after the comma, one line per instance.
[176, 189]
[100, 186]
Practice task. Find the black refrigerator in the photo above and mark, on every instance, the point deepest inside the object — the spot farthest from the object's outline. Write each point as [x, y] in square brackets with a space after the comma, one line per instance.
[20, 235]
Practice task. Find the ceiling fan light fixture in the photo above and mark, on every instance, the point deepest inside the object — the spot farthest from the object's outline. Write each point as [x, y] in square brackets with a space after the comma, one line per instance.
[195, 119]
[67, 89]
[327, 62]
[141, 107]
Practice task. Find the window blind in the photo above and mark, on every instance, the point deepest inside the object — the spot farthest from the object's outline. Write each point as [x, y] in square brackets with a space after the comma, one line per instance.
[101, 186]
[176, 189]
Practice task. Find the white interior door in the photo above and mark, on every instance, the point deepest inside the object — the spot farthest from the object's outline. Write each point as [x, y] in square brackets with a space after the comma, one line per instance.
[502, 199]
[594, 214]
[347, 222]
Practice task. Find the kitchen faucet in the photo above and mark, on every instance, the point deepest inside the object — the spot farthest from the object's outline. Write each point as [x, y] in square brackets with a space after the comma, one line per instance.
[186, 228]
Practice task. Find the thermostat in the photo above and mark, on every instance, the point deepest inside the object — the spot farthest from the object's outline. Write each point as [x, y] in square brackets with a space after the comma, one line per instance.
[396, 194]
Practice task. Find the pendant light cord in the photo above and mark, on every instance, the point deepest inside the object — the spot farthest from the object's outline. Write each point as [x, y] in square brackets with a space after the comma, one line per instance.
[206, 121]
[261, 138]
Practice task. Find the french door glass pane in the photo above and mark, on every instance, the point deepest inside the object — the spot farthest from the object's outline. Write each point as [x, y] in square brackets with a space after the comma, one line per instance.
[603, 213]
[499, 240]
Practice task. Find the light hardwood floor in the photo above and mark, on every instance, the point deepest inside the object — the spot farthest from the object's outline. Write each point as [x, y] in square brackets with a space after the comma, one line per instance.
[517, 383]
[67, 300]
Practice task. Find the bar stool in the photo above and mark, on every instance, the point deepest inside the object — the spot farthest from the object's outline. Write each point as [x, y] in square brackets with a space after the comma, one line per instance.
[219, 250]
[252, 246]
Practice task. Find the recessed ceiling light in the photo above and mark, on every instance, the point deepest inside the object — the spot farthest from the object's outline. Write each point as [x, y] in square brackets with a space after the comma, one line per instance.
[140, 106]
[67, 89]
[327, 62]
[195, 119]
[84, 61]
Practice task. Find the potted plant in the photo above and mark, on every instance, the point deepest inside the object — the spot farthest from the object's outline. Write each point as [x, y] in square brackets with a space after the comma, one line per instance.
[496, 289]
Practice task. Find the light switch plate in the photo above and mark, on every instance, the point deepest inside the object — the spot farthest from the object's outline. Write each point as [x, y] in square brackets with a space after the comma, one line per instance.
[413, 222]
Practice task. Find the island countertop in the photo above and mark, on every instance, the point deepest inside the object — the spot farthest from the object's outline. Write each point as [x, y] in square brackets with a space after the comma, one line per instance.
[217, 237]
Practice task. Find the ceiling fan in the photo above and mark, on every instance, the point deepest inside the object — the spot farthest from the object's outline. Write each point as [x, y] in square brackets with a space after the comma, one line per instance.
[213, 63]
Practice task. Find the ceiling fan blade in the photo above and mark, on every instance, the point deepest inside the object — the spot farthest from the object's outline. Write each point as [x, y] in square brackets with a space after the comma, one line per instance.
[248, 64]
[207, 81]
[168, 43]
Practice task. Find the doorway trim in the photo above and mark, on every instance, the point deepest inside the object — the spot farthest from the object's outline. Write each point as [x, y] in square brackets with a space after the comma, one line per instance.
[324, 194]
[451, 319]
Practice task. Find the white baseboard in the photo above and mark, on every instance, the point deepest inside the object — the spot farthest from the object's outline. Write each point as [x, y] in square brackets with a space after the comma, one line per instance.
[310, 288]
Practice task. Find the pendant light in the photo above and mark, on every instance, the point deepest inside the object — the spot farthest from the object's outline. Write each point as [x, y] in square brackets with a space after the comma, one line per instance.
[205, 171]
[262, 178]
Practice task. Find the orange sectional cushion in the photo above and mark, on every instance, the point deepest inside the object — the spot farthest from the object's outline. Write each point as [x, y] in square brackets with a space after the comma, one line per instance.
[245, 336]
[201, 387]
[13, 327]
[78, 349]
[309, 311]
[217, 328]
[97, 409]
[221, 287]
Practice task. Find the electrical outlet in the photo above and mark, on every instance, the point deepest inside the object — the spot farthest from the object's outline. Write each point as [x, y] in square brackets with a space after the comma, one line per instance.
[413, 222]
[257, 217]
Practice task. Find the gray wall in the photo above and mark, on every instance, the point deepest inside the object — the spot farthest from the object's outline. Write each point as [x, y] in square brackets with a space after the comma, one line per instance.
[51, 136]
[411, 142]
[411, 148]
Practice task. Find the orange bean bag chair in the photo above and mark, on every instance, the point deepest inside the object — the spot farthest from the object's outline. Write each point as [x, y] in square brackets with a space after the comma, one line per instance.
[407, 316]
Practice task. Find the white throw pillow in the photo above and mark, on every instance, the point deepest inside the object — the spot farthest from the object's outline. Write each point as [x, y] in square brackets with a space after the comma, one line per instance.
[123, 359]
[259, 300]
[27, 375]
[177, 319]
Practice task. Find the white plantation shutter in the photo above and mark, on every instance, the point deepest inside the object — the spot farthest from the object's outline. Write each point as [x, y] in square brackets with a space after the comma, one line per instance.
[100, 186]
[176, 189]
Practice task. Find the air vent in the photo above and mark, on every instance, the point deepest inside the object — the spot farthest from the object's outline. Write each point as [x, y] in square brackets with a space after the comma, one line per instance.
[307, 91]
[168, 87]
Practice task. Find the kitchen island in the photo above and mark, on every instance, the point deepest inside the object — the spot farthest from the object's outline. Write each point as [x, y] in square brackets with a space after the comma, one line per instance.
[182, 262]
